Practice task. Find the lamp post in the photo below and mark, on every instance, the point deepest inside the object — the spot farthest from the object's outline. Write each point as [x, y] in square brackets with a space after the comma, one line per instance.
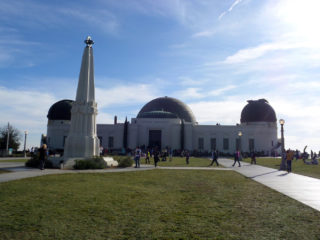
[240, 134]
[283, 159]
[25, 143]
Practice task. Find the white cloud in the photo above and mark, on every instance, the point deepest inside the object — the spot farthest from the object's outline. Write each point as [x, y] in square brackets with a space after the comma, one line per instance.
[220, 91]
[244, 55]
[224, 112]
[26, 110]
[125, 95]
[206, 33]
[235, 3]
[189, 93]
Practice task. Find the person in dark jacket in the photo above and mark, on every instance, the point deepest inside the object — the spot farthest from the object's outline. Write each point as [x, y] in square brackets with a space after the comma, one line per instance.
[187, 157]
[253, 158]
[215, 155]
[156, 157]
[237, 158]
[43, 154]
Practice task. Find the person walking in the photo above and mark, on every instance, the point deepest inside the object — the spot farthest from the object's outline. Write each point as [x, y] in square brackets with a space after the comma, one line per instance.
[156, 157]
[215, 155]
[253, 157]
[289, 157]
[43, 154]
[236, 158]
[170, 154]
[187, 157]
[137, 157]
[148, 157]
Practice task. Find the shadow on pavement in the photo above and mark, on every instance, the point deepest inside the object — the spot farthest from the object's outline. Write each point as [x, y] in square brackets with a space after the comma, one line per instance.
[264, 174]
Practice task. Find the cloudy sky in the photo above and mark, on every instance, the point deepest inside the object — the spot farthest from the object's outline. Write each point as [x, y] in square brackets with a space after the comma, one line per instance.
[213, 55]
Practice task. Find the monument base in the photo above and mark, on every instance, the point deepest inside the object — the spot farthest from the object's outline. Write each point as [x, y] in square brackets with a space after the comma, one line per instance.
[69, 162]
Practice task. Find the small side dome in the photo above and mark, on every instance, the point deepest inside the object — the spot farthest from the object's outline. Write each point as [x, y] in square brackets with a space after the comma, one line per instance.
[158, 114]
[258, 111]
[60, 110]
[170, 105]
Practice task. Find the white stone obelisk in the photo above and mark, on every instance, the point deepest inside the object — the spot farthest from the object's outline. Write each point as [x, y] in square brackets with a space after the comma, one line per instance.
[82, 141]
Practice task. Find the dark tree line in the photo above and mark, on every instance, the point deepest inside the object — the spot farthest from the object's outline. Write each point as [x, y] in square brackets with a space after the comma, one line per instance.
[14, 137]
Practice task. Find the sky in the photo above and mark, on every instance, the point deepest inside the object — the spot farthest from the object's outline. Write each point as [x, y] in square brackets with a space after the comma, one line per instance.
[213, 55]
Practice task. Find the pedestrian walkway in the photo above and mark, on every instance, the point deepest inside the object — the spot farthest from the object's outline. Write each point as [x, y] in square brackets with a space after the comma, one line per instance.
[301, 188]
[197, 168]
[18, 171]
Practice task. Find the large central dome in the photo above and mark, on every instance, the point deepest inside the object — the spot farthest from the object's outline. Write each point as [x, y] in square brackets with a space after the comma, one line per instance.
[167, 105]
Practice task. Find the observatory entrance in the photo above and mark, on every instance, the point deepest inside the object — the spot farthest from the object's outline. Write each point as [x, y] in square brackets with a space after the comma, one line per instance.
[155, 139]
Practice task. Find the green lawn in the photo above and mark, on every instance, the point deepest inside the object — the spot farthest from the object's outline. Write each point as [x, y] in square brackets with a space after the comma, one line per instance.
[14, 160]
[181, 162]
[157, 204]
[297, 166]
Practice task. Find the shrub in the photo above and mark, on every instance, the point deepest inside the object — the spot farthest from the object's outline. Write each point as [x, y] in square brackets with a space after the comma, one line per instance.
[34, 162]
[90, 163]
[123, 161]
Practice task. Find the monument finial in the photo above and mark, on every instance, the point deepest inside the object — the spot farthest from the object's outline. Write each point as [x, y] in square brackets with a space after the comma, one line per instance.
[89, 41]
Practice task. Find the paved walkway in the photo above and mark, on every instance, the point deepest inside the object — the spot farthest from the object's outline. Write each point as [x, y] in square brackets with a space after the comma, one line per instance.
[301, 188]
[18, 171]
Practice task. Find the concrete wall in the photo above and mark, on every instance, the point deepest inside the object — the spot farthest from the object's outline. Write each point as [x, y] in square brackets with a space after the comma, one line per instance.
[57, 131]
[264, 134]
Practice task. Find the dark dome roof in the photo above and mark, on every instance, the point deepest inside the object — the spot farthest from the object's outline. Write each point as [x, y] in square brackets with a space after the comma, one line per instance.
[258, 111]
[158, 114]
[168, 104]
[60, 110]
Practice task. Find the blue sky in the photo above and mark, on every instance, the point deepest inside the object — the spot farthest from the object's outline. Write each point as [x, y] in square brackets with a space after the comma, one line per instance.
[213, 55]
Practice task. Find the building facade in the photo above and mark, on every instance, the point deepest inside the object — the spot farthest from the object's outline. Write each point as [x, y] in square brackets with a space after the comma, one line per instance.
[166, 122]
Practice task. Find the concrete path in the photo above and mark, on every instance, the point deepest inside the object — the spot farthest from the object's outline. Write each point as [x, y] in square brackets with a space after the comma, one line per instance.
[18, 171]
[301, 188]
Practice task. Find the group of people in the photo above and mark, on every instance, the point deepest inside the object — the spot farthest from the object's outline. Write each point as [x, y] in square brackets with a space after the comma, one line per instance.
[155, 153]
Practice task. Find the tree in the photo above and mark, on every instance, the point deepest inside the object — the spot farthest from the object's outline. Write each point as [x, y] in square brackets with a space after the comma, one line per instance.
[14, 137]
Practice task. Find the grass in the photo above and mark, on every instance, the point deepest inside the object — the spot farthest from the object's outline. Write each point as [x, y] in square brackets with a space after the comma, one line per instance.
[181, 162]
[297, 166]
[14, 160]
[157, 204]
[4, 171]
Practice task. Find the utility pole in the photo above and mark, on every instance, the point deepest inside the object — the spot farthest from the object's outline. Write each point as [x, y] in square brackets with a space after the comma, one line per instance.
[8, 132]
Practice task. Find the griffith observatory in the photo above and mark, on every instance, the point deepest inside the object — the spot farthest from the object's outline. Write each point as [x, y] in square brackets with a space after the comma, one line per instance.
[164, 122]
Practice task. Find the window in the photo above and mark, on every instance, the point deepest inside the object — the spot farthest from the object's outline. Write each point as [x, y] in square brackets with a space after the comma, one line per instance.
[64, 140]
[110, 142]
[251, 144]
[213, 143]
[200, 143]
[225, 144]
